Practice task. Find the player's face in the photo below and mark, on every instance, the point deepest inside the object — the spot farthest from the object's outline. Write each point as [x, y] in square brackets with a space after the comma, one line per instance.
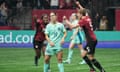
[73, 17]
[45, 19]
[53, 17]
[79, 15]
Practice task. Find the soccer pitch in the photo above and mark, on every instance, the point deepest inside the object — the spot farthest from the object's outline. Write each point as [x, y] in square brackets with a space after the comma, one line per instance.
[22, 60]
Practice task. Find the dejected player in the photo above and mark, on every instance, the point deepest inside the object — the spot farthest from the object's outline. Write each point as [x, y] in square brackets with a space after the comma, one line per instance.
[89, 50]
[55, 35]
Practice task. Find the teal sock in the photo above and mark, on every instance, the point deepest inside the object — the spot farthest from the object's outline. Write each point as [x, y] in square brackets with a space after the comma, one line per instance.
[61, 67]
[46, 67]
[70, 53]
[49, 66]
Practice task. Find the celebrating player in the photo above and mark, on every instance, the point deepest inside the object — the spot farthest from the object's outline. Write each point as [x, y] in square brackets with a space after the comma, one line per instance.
[86, 24]
[55, 34]
[39, 37]
[76, 38]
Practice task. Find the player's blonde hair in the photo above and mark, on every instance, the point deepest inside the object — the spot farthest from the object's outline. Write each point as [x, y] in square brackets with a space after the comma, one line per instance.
[82, 11]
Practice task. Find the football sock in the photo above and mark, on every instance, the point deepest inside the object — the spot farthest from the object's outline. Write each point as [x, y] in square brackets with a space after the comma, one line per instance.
[82, 52]
[97, 64]
[46, 67]
[49, 66]
[61, 67]
[70, 53]
[88, 62]
[36, 60]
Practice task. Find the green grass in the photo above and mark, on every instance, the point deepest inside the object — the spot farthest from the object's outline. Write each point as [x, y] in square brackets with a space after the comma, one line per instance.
[21, 60]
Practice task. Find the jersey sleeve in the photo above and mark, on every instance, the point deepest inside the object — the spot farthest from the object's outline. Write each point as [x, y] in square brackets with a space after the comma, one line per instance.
[47, 29]
[81, 23]
[63, 28]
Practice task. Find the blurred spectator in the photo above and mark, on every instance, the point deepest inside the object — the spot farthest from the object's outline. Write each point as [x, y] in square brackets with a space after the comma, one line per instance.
[103, 23]
[19, 7]
[42, 4]
[19, 4]
[61, 4]
[97, 20]
[54, 4]
[68, 4]
[28, 3]
[3, 14]
[46, 4]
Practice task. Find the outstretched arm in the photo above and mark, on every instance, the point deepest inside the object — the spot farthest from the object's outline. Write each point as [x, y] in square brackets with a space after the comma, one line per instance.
[68, 23]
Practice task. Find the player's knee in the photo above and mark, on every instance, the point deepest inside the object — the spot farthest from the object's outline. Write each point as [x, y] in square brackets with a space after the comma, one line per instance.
[91, 57]
[38, 55]
[83, 54]
[46, 59]
[60, 60]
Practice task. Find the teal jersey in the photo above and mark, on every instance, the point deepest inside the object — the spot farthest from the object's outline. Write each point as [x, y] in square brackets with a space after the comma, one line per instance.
[55, 33]
[79, 37]
[74, 22]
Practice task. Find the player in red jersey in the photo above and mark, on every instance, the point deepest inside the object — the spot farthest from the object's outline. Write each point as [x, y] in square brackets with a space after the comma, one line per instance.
[39, 38]
[89, 50]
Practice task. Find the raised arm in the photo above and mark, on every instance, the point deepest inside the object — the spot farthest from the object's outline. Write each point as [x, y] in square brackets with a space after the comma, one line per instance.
[79, 5]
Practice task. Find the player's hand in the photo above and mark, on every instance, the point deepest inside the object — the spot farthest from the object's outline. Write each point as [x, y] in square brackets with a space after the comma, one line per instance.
[62, 41]
[77, 3]
[71, 38]
[34, 16]
[38, 20]
[64, 17]
[52, 44]
[43, 30]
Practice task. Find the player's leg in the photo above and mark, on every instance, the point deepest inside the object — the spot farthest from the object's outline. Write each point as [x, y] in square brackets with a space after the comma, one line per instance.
[59, 56]
[87, 60]
[37, 48]
[37, 56]
[43, 51]
[46, 63]
[91, 57]
[44, 47]
[70, 53]
[80, 46]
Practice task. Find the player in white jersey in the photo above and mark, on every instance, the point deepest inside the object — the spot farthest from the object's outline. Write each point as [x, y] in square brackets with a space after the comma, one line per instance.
[76, 38]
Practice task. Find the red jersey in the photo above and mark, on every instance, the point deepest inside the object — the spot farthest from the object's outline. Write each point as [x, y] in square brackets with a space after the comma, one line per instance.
[86, 24]
[40, 26]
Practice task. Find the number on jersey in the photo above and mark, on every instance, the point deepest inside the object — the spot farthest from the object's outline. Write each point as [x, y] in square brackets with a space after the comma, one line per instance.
[90, 24]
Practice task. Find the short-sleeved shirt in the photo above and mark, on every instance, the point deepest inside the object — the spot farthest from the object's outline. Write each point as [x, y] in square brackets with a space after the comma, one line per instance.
[86, 25]
[55, 33]
[79, 37]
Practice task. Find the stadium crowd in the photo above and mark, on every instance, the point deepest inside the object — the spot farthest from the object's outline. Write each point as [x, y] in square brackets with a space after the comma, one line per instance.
[98, 9]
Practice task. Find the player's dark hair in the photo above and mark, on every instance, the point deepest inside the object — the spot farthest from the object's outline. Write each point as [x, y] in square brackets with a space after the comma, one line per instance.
[43, 16]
